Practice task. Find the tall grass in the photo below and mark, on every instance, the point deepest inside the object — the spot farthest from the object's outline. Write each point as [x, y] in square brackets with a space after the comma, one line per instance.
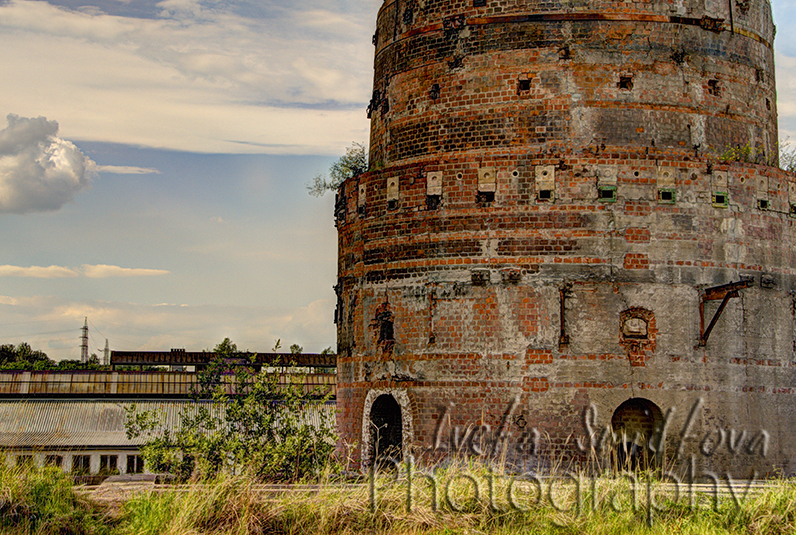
[42, 502]
[235, 506]
[227, 505]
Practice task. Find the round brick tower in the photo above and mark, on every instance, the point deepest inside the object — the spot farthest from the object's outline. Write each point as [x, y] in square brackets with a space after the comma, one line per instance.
[572, 236]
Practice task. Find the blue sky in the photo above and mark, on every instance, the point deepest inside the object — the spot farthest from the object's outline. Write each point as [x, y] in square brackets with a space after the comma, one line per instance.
[163, 196]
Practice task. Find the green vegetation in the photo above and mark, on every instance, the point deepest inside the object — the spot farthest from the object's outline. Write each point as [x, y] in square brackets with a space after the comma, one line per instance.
[354, 162]
[748, 154]
[787, 156]
[23, 357]
[258, 427]
[41, 502]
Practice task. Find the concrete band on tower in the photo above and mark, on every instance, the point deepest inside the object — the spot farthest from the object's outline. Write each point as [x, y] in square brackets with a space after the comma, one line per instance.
[573, 222]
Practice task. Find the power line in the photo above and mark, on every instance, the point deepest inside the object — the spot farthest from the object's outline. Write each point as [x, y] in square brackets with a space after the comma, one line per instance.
[71, 339]
[96, 345]
[114, 338]
[178, 334]
[48, 332]
[96, 329]
[134, 345]
[39, 340]
[105, 336]
[26, 322]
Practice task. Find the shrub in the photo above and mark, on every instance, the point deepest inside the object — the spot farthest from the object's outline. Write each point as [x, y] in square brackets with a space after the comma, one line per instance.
[242, 421]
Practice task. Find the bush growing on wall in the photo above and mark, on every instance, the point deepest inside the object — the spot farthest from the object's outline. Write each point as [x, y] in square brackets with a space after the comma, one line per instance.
[354, 162]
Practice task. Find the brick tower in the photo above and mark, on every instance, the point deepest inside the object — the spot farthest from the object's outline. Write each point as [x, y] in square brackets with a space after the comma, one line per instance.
[572, 211]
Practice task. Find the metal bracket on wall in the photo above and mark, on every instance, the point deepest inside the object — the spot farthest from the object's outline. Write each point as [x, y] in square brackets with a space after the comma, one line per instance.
[563, 338]
[724, 292]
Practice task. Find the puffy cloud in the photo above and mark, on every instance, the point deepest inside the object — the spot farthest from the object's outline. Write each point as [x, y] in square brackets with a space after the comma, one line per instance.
[38, 170]
[102, 271]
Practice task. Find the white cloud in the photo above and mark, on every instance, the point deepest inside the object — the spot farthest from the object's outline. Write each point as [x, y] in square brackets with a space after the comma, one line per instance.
[38, 272]
[199, 78]
[102, 271]
[91, 271]
[786, 95]
[38, 170]
[52, 324]
[127, 170]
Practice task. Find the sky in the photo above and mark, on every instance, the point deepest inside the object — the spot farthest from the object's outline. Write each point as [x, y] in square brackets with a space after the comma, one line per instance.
[153, 163]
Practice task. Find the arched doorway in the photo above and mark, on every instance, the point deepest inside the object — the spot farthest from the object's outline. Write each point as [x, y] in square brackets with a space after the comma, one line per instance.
[386, 429]
[636, 423]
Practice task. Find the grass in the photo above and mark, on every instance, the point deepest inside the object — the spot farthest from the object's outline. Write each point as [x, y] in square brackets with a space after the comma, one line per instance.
[42, 502]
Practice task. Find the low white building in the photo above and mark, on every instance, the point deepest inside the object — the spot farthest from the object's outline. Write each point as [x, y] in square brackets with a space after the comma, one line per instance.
[80, 436]
[76, 420]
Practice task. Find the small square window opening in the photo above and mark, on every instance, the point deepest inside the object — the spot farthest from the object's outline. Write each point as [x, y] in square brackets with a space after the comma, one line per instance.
[606, 193]
[666, 196]
[714, 88]
[625, 82]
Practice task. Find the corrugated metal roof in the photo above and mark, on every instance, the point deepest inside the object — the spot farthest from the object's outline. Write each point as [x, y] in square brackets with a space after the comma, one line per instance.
[67, 424]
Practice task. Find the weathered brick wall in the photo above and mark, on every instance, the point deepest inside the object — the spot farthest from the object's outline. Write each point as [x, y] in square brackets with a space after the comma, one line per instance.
[549, 196]
[669, 75]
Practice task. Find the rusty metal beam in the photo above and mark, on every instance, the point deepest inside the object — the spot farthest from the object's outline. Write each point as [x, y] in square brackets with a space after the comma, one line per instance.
[563, 339]
[725, 292]
[718, 292]
[704, 338]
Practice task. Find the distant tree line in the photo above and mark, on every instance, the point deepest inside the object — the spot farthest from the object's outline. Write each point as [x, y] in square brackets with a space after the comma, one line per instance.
[24, 357]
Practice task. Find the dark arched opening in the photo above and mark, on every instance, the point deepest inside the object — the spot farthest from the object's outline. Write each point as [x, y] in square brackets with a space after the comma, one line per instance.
[637, 426]
[386, 429]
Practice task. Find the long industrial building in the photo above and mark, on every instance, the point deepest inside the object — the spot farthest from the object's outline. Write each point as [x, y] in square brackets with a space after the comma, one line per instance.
[76, 419]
